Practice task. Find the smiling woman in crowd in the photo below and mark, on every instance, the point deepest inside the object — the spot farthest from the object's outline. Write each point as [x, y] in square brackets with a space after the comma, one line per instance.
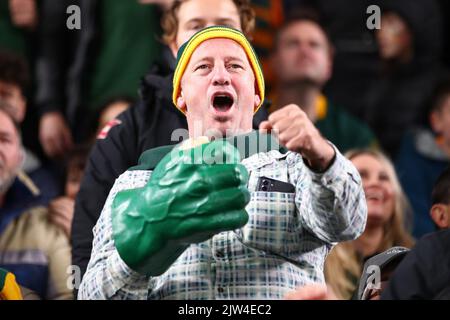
[385, 228]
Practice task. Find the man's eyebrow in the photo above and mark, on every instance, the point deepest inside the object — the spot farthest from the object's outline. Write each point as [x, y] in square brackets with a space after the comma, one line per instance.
[194, 20]
[202, 59]
[210, 59]
[234, 58]
[224, 20]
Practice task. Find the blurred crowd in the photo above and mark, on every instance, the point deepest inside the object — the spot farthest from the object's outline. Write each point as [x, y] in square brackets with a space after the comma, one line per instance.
[79, 106]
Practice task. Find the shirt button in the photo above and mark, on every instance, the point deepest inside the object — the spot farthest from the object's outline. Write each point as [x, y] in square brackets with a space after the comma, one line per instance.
[220, 290]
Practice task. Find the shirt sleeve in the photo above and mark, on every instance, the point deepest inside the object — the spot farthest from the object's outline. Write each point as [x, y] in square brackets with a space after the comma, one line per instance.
[334, 207]
[107, 275]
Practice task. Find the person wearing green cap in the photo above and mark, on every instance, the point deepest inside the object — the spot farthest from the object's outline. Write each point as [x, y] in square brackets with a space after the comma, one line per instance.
[220, 219]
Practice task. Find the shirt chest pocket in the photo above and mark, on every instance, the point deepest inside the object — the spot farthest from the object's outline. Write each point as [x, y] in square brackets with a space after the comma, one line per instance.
[273, 222]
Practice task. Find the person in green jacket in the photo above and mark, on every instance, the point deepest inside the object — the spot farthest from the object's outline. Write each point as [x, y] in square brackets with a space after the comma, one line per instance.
[302, 62]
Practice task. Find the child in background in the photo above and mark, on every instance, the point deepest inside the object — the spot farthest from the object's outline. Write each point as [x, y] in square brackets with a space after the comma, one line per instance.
[424, 154]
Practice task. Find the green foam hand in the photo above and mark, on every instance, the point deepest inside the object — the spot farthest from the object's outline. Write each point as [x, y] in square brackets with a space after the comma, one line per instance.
[191, 196]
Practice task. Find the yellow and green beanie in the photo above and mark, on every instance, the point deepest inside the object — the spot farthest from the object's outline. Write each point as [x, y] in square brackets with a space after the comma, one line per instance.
[186, 50]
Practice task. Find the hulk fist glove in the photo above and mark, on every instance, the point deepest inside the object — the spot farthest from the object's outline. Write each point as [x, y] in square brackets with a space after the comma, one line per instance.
[187, 200]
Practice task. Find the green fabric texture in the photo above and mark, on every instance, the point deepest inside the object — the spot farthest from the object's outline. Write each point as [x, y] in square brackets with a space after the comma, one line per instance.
[191, 196]
[345, 131]
[128, 45]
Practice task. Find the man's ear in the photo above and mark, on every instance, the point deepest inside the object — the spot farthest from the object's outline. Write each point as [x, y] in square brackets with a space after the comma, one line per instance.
[181, 102]
[440, 215]
[257, 101]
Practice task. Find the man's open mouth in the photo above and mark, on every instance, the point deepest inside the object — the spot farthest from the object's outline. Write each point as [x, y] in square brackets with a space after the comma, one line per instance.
[222, 102]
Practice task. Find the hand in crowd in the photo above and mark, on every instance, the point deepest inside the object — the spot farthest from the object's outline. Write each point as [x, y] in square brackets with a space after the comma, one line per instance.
[54, 134]
[312, 292]
[61, 213]
[297, 133]
[24, 13]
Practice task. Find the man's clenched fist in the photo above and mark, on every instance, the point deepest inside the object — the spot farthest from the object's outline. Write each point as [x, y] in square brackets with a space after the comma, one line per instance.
[297, 133]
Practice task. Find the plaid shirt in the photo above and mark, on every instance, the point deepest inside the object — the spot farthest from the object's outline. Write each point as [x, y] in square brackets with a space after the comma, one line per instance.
[282, 247]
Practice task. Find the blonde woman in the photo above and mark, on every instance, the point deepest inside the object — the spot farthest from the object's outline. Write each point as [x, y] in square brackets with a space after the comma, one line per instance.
[385, 228]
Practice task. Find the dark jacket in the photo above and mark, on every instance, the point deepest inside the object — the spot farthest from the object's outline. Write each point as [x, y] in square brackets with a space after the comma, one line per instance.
[79, 70]
[62, 57]
[419, 163]
[425, 272]
[397, 98]
[146, 125]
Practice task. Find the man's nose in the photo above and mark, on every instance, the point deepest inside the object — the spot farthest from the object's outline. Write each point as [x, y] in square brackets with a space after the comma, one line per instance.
[304, 50]
[221, 76]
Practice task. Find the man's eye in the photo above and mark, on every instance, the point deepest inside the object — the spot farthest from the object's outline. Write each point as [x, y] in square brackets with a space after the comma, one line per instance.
[195, 27]
[202, 67]
[235, 66]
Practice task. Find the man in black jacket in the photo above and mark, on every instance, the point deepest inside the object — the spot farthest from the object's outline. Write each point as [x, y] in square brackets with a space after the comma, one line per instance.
[151, 122]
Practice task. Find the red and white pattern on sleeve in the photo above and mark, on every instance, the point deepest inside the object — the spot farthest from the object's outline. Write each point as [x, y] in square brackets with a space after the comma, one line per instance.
[104, 132]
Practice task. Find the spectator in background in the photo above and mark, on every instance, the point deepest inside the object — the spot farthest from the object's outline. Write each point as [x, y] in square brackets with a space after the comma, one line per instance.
[409, 43]
[425, 272]
[385, 228]
[356, 59]
[61, 209]
[110, 111]
[424, 154]
[302, 62]
[18, 21]
[440, 201]
[78, 70]
[31, 247]
[14, 79]
[151, 122]
[19, 25]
